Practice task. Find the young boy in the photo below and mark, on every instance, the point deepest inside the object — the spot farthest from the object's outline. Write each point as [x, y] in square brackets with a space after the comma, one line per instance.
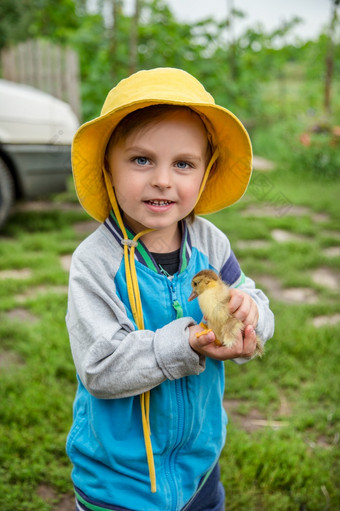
[148, 408]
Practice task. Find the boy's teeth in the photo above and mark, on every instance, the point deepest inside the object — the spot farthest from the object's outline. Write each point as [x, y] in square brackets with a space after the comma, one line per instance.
[159, 202]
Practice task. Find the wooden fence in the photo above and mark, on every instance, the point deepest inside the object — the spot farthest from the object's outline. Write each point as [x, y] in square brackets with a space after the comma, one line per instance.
[46, 66]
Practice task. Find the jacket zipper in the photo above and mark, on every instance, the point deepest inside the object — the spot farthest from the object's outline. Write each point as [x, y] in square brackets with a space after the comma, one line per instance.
[175, 303]
[180, 404]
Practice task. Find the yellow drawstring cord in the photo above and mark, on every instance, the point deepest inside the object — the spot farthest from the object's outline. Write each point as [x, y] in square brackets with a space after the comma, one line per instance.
[137, 312]
[206, 174]
[136, 304]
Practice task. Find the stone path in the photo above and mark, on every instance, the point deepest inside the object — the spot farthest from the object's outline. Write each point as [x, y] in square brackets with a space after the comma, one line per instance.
[49, 494]
[324, 276]
[254, 419]
[320, 321]
[262, 164]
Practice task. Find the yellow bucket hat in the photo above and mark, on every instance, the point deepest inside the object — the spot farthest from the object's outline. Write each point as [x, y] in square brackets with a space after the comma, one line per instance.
[170, 86]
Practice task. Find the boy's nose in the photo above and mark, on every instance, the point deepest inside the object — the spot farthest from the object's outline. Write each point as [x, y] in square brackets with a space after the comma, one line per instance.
[161, 178]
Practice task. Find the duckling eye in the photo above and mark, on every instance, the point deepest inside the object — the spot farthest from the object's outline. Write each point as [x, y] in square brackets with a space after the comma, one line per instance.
[195, 284]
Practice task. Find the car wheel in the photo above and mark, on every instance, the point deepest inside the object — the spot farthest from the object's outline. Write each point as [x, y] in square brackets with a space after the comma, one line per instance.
[7, 192]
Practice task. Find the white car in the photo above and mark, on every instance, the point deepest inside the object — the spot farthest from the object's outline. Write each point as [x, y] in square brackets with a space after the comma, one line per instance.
[36, 132]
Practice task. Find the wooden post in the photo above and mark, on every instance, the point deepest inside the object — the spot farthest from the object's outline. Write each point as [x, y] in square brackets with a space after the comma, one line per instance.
[71, 81]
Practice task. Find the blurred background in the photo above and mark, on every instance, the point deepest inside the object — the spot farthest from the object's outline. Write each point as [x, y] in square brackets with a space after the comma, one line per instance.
[269, 62]
[276, 65]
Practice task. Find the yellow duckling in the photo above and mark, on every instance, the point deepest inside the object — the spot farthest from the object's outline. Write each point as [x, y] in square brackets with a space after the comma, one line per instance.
[213, 297]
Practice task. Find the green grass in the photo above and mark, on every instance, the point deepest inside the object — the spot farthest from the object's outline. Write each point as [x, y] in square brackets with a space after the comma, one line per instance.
[295, 467]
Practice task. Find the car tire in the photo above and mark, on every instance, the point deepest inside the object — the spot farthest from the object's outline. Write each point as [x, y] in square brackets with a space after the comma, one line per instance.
[7, 192]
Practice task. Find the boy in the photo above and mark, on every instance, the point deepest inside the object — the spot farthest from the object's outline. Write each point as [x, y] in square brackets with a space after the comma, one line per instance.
[149, 401]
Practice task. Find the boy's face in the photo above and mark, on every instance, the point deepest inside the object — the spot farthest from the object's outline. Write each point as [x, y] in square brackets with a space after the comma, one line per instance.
[156, 172]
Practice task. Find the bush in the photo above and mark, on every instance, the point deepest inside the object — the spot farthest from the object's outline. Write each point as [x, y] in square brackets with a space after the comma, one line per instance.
[317, 152]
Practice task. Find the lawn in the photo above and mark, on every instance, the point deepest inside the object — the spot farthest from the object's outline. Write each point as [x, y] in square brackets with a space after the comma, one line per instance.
[282, 451]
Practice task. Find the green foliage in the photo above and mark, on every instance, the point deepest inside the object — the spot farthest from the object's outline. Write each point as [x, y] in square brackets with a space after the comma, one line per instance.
[320, 155]
[235, 70]
[15, 20]
[22, 19]
[302, 147]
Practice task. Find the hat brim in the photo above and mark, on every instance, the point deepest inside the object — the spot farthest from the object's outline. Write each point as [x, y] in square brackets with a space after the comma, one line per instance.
[225, 186]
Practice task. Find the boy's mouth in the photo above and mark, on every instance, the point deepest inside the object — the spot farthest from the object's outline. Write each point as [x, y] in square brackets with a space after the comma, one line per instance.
[160, 202]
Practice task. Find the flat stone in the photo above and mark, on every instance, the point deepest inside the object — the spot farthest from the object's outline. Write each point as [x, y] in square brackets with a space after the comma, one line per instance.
[65, 262]
[332, 252]
[66, 503]
[21, 315]
[50, 495]
[274, 210]
[22, 274]
[288, 295]
[260, 163]
[85, 228]
[253, 420]
[320, 321]
[46, 206]
[9, 358]
[327, 278]
[271, 283]
[281, 236]
[320, 217]
[331, 234]
[285, 409]
[46, 492]
[244, 245]
[323, 443]
[299, 295]
[40, 290]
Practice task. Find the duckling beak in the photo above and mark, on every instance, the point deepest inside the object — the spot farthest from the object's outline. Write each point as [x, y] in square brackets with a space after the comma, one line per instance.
[192, 296]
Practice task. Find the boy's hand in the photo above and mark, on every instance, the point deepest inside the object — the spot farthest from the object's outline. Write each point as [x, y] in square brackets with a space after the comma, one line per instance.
[244, 346]
[243, 307]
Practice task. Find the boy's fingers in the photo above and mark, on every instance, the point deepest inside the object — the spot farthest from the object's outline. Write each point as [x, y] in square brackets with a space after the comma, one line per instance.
[239, 306]
[206, 338]
[252, 318]
[249, 342]
[244, 309]
[199, 339]
[235, 301]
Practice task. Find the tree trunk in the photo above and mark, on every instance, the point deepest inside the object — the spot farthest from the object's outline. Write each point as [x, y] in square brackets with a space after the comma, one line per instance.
[232, 42]
[133, 60]
[114, 37]
[329, 61]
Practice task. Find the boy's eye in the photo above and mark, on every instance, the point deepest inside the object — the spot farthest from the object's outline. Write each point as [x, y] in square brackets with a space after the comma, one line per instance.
[183, 165]
[141, 160]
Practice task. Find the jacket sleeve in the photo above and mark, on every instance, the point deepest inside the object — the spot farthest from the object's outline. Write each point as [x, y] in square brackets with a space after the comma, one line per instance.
[112, 359]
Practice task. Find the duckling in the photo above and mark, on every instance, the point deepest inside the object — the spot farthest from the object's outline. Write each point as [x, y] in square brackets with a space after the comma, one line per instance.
[213, 297]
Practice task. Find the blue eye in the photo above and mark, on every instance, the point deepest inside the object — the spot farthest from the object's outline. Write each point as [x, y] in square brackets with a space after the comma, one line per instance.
[141, 160]
[182, 164]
